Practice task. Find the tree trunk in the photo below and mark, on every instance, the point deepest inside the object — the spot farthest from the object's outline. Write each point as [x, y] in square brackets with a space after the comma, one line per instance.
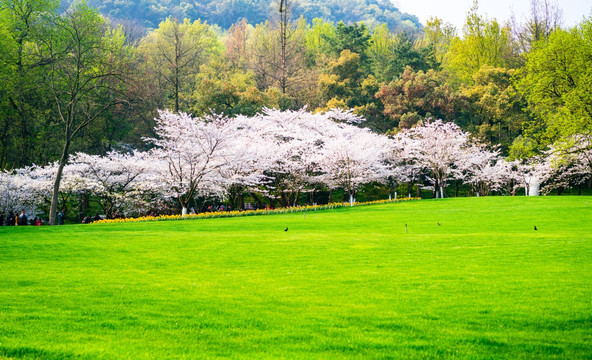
[83, 205]
[283, 39]
[184, 203]
[435, 191]
[55, 196]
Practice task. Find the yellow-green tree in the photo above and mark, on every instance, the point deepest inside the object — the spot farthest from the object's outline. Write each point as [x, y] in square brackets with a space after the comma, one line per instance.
[557, 82]
[88, 64]
[496, 107]
[484, 42]
[174, 52]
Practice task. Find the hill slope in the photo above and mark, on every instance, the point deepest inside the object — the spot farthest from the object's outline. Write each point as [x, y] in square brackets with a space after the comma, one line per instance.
[149, 13]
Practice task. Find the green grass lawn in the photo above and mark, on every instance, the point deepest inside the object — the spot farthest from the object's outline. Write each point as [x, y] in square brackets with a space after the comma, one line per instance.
[346, 283]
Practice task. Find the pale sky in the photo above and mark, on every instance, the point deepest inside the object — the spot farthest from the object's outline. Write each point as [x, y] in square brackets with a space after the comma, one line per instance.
[455, 11]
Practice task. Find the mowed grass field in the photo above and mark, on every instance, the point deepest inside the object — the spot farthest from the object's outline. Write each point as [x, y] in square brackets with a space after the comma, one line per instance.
[339, 284]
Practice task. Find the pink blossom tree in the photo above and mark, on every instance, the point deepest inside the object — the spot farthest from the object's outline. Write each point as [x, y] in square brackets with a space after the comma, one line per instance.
[477, 166]
[437, 147]
[117, 180]
[352, 157]
[189, 153]
[569, 162]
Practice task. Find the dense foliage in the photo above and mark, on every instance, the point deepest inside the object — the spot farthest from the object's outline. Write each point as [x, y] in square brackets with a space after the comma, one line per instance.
[75, 81]
[225, 13]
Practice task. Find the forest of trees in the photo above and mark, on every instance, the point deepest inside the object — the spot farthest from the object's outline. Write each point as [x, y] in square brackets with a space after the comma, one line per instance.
[75, 80]
[224, 13]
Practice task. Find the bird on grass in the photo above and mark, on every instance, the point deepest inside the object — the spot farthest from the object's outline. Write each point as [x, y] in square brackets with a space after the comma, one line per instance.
[438, 223]
[535, 227]
[286, 229]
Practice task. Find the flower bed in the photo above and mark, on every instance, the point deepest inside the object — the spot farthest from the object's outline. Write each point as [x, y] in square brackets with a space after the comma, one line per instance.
[222, 214]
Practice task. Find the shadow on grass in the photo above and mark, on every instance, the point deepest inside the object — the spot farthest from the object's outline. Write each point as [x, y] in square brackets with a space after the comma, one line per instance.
[29, 353]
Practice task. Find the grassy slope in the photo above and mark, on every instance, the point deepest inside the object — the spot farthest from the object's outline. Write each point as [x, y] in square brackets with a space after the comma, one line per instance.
[347, 283]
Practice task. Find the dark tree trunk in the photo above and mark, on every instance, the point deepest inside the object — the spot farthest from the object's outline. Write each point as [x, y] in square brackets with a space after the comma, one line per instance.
[83, 205]
[55, 196]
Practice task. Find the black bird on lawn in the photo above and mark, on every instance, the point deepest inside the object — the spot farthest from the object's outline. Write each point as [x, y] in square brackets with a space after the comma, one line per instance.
[286, 229]
[535, 227]
[438, 223]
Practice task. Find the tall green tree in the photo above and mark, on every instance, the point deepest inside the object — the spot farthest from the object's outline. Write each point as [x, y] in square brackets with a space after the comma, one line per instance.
[174, 52]
[221, 88]
[418, 95]
[439, 35]
[557, 82]
[355, 38]
[278, 56]
[23, 107]
[496, 107]
[85, 77]
[484, 42]
[391, 53]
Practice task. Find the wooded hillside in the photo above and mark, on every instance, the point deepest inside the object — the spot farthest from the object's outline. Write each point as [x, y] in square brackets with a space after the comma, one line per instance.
[149, 13]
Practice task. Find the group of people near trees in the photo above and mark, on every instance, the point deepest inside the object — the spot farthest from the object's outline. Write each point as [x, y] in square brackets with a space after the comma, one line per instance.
[15, 218]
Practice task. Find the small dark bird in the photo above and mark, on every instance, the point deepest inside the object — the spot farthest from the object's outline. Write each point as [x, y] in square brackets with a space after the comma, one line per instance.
[286, 229]
[438, 223]
[535, 227]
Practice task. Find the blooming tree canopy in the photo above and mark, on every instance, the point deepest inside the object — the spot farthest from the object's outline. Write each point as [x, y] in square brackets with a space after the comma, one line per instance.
[189, 153]
[118, 180]
[437, 148]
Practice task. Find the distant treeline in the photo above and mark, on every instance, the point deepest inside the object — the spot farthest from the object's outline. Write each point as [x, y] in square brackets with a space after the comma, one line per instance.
[225, 13]
[75, 80]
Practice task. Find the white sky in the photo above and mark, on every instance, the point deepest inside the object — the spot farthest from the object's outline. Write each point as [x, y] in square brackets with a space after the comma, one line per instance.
[455, 11]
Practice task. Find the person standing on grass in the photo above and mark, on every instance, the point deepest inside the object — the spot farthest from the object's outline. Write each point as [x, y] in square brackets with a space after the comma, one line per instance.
[60, 218]
[23, 218]
[9, 219]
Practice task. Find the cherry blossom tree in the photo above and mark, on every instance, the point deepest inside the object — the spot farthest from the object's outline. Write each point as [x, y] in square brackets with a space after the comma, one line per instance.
[117, 180]
[189, 153]
[31, 188]
[477, 166]
[530, 174]
[292, 138]
[13, 191]
[253, 156]
[437, 147]
[40, 185]
[569, 162]
[353, 157]
[406, 168]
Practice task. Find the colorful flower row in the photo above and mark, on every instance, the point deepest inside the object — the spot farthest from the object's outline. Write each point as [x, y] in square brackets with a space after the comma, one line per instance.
[224, 214]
